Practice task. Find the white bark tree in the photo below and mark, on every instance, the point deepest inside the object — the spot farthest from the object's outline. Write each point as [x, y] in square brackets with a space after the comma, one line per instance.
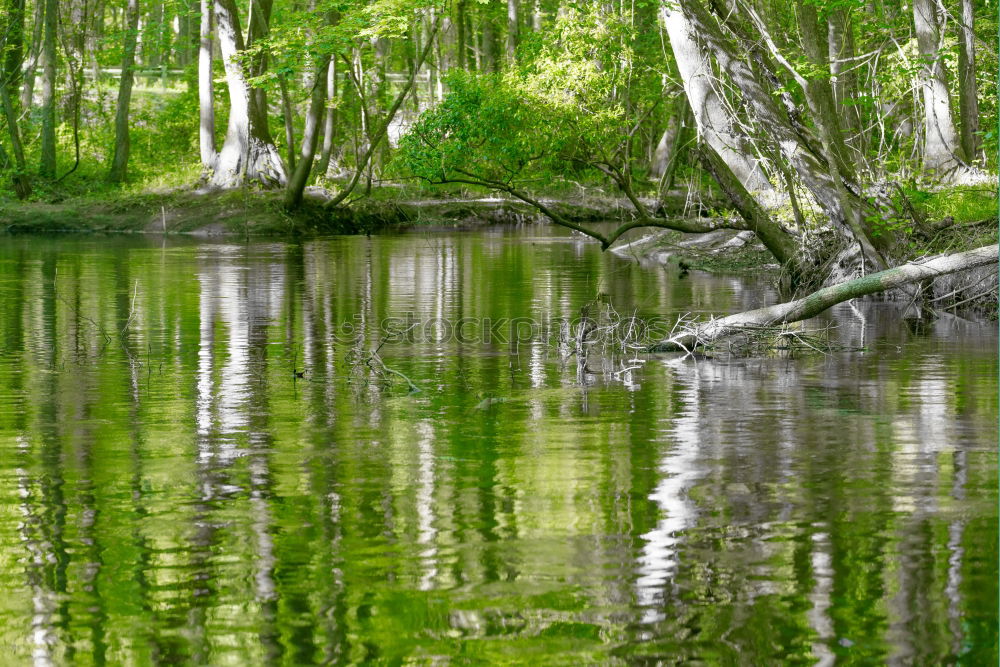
[711, 118]
[941, 150]
[248, 154]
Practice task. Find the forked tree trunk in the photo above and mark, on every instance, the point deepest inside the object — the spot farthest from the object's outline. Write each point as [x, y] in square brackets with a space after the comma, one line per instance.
[819, 90]
[840, 46]
[119, 163]
[248, 154]
[821, 300]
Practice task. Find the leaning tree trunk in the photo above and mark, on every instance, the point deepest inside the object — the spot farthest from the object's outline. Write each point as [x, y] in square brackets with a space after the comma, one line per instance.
[941, 147]
[968, 91]
[711, 119]
[248, 154]
[206, 105]
[119, 163]
[310, 137]
[48, 162]
[845, 208]
[819, 301]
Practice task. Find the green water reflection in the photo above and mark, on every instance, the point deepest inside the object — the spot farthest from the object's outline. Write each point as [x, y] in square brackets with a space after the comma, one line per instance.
[171, 491]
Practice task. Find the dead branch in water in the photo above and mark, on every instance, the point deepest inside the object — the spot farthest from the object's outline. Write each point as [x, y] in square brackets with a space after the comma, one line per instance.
[690, 337]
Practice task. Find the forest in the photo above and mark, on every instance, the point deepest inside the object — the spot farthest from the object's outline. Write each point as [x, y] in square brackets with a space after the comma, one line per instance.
[545, 332]
[846, 135]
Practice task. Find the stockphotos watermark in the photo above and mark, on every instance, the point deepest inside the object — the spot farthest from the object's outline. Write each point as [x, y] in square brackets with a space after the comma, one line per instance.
[409, 329]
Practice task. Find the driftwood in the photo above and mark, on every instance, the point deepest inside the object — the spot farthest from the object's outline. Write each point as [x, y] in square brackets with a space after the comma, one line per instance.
[697, 335]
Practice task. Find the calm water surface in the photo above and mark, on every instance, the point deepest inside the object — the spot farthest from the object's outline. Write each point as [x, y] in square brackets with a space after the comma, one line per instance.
[172, 491]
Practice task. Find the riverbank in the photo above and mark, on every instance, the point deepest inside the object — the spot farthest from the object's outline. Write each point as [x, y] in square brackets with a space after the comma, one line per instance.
[252, 213]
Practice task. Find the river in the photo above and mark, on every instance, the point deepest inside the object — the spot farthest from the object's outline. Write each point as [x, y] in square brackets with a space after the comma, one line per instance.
[389, 450]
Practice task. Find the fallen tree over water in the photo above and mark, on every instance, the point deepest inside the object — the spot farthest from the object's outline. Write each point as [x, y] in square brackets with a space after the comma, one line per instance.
[705, 333]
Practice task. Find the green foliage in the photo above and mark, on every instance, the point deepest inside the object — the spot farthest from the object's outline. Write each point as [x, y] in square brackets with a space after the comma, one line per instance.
[482, 130]
[566, 106]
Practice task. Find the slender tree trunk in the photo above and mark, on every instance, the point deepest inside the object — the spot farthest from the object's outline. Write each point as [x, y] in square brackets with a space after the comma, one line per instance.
[13, 42]
[28, 88]
[152, 46]
[248, 154]
[380, 134]
[489, 41]
[968, 91]
[536, 16]
[461, 45]
[10, 78]
[840, 45]
[289, 121]
[48, 160]
[206, 104]
[513, 29]
[329, 120]
[941, 146]
[94, 37]
[819, 91]
[119, 163]
[710, 117]
[300, 174]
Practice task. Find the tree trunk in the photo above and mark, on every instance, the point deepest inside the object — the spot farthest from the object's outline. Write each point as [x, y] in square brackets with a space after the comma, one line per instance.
[289, 121]
[379, 135]
[317, 101]
[248, 154]
[28, 88]
[711, 118]
[153, 41]
[840, 46]
[819, 91]
[206, 104]
[329, 120]
[513, 31]
[821, 300]
[12, 21]
[48, 161]
[461, 45]
[119, 163]
[489, 42]
[968, 91]
[10, 78]
[941, 148]
[845, 209]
